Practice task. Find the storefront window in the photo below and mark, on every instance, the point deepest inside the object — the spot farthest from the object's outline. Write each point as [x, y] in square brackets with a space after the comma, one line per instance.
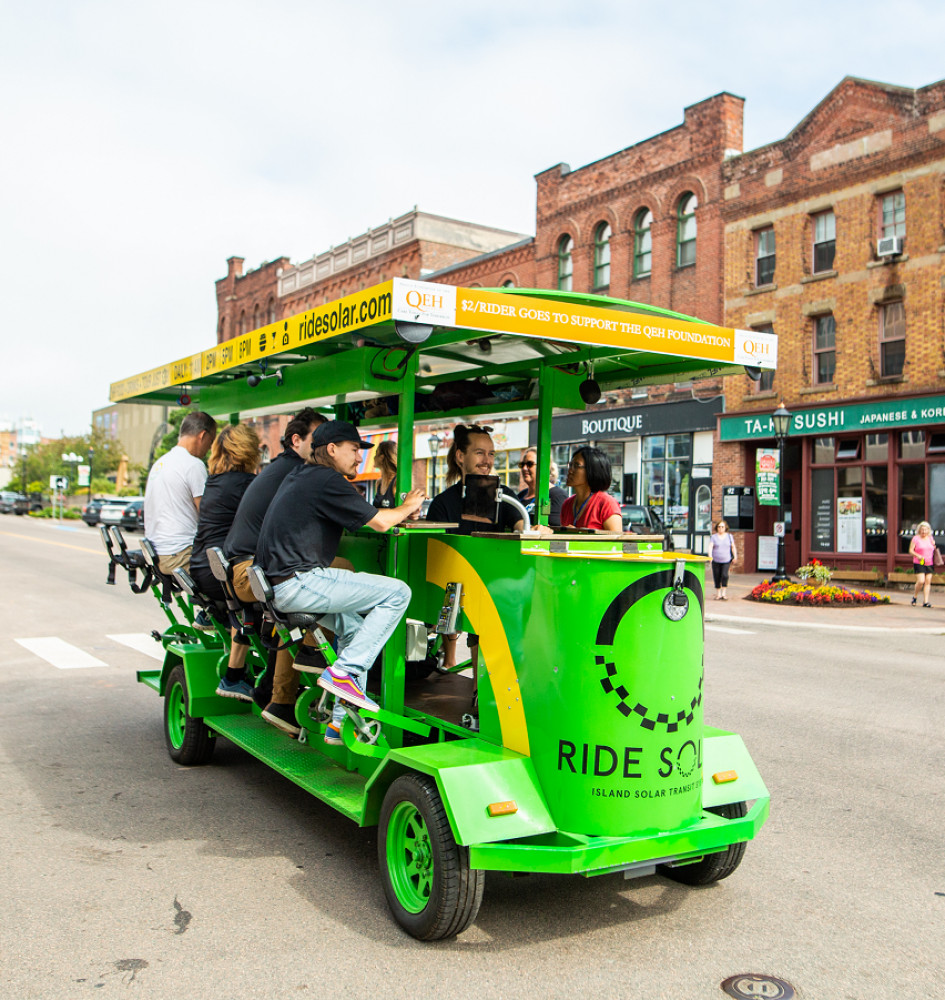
[911, 502]
[823, 451]
[912, 445]
[667, 474]
[876, 509]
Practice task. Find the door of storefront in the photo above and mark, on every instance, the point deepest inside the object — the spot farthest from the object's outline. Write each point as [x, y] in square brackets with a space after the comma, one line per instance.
[700, 515]
[765, 516]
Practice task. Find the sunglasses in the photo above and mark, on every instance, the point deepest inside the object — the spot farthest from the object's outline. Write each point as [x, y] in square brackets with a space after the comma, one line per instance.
[526, 465]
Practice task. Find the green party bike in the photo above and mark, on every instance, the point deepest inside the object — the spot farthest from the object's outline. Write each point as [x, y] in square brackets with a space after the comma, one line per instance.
[575, 743]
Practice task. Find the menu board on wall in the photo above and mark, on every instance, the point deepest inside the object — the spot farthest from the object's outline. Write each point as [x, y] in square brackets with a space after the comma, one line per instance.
[821, 523]
[850, 524]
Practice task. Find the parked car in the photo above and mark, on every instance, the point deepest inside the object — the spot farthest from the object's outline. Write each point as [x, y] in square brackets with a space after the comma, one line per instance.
[132, 518]
[114, 512]
[92, 511]
[8, 501]
[28, 504]
[643, 520]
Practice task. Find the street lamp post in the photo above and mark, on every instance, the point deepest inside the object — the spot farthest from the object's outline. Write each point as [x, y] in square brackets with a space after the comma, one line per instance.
[91, 456]
[23, 457]
[434, 443]
[781, 419]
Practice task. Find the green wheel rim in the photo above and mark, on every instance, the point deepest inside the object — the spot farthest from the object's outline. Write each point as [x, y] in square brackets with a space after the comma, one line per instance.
[409, 857]
[176, 716]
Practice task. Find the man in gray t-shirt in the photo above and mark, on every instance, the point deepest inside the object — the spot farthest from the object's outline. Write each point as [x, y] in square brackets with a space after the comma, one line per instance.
[172, 495]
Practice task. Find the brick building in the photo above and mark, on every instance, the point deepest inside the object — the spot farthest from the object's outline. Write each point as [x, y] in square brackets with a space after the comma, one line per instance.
[834, 239]
[414, 245]
[785, 237]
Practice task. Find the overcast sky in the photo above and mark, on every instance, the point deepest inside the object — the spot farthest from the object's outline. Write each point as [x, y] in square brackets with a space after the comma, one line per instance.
[143, 144]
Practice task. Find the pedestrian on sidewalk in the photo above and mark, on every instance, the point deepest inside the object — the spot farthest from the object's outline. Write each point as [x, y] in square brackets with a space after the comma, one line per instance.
[723, 555]
[922, 548]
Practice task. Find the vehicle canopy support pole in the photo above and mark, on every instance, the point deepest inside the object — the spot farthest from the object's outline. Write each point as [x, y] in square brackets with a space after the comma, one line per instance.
[397, 549]
[546, 385]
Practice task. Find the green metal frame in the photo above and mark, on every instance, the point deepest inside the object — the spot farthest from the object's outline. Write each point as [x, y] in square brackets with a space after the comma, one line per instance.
[538, 588]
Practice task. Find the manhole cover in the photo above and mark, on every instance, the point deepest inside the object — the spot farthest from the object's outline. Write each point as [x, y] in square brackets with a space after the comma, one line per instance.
[752, 986]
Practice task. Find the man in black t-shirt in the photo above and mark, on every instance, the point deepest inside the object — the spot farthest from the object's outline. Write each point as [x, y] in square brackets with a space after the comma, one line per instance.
[297, 543]
[240, 544]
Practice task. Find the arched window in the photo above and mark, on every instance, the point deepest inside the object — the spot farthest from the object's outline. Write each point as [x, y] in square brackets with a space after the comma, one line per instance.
[271, 310]
[242, 323]
[602, 256]
[642, 243]
[255, 317]
[565, 264]
[686, 230]
[508, 283]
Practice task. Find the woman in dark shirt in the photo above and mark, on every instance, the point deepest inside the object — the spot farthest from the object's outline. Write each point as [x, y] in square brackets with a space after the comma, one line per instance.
[385, 461]
[232, 464]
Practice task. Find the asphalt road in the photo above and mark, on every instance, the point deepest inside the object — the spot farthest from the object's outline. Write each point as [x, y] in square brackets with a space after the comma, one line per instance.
[123, 874]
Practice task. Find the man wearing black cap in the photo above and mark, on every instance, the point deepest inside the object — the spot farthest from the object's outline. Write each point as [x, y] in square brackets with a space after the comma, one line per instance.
[297, 543]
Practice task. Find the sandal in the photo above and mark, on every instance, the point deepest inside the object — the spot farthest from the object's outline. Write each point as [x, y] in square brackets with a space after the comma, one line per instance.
[926, 605]
[913, 601]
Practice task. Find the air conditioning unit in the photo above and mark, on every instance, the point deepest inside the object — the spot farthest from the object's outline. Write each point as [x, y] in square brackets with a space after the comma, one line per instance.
[889, 246]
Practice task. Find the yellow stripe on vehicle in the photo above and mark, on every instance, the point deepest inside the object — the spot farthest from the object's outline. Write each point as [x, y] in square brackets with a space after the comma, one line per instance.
[446, 565]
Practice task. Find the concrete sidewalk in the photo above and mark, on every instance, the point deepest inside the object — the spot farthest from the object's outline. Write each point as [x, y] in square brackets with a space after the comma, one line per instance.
[898, 614]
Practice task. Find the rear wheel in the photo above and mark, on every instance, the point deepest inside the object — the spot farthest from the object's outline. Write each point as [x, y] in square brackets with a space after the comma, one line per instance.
[430, 888]
[713, 867]
[189, 741]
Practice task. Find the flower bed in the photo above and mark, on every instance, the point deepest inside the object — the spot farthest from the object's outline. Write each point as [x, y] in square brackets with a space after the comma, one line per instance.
[786, 592]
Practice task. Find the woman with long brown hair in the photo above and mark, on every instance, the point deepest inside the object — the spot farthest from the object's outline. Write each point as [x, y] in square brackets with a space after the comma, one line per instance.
[385, 461]
[233, 460]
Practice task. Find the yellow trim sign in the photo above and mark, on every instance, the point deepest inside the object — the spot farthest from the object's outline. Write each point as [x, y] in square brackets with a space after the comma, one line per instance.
[362, 309]
[467, 309]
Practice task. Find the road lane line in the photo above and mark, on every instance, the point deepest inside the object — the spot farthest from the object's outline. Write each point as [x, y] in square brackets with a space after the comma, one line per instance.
[730, 631]
[49, 541]
[60, 653]
[141, 642]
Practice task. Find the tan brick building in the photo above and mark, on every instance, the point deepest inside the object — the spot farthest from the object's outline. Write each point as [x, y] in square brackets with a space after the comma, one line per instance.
[834, 239]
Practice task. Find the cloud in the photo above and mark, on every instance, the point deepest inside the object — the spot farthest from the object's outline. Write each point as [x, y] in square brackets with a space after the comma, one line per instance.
[143, 146]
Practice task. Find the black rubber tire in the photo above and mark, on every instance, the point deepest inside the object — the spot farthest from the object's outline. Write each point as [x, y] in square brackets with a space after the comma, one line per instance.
[457, 889]
[197, 743]
[713, 867]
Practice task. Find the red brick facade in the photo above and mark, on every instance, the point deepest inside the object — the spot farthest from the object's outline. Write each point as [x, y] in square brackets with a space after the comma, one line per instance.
[863, 143]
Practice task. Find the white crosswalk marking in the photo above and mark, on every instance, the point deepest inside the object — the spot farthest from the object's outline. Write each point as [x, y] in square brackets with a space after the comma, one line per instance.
[141, 642]
[730, 631]
[60, 654]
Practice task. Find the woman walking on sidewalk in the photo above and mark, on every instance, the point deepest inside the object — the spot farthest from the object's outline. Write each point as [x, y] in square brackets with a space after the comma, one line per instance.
[922, 549]
[723, 555]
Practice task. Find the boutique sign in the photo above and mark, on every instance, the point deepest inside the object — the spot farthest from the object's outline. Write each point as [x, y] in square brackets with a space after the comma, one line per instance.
[922, 412]
[637, 421]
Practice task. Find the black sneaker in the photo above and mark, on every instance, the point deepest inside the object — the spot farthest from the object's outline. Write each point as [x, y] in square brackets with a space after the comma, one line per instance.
[282, 717]
[310, 660]
[202, 620]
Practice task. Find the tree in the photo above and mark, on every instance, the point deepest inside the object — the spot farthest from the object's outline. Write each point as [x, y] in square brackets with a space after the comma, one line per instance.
[45, 460]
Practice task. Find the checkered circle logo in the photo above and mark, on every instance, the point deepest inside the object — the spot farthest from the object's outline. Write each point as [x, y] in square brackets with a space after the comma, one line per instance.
[628, 706]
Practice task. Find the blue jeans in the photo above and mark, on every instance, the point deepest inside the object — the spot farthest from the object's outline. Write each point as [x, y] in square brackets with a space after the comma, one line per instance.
[362, 609]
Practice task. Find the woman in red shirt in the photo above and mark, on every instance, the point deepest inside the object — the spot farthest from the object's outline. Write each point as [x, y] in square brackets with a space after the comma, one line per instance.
[591, 506]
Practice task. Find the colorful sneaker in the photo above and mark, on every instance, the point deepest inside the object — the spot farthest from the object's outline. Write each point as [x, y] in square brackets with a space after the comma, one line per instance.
[346, 687]
[235, 689]
[282, 717]
[333, 735]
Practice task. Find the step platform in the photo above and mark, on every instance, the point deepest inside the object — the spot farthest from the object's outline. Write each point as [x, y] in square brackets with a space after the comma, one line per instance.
[306, 766]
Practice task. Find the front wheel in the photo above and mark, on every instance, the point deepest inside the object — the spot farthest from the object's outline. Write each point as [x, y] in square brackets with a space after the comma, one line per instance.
[189, 741]
[430, 888]
[713, 867]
